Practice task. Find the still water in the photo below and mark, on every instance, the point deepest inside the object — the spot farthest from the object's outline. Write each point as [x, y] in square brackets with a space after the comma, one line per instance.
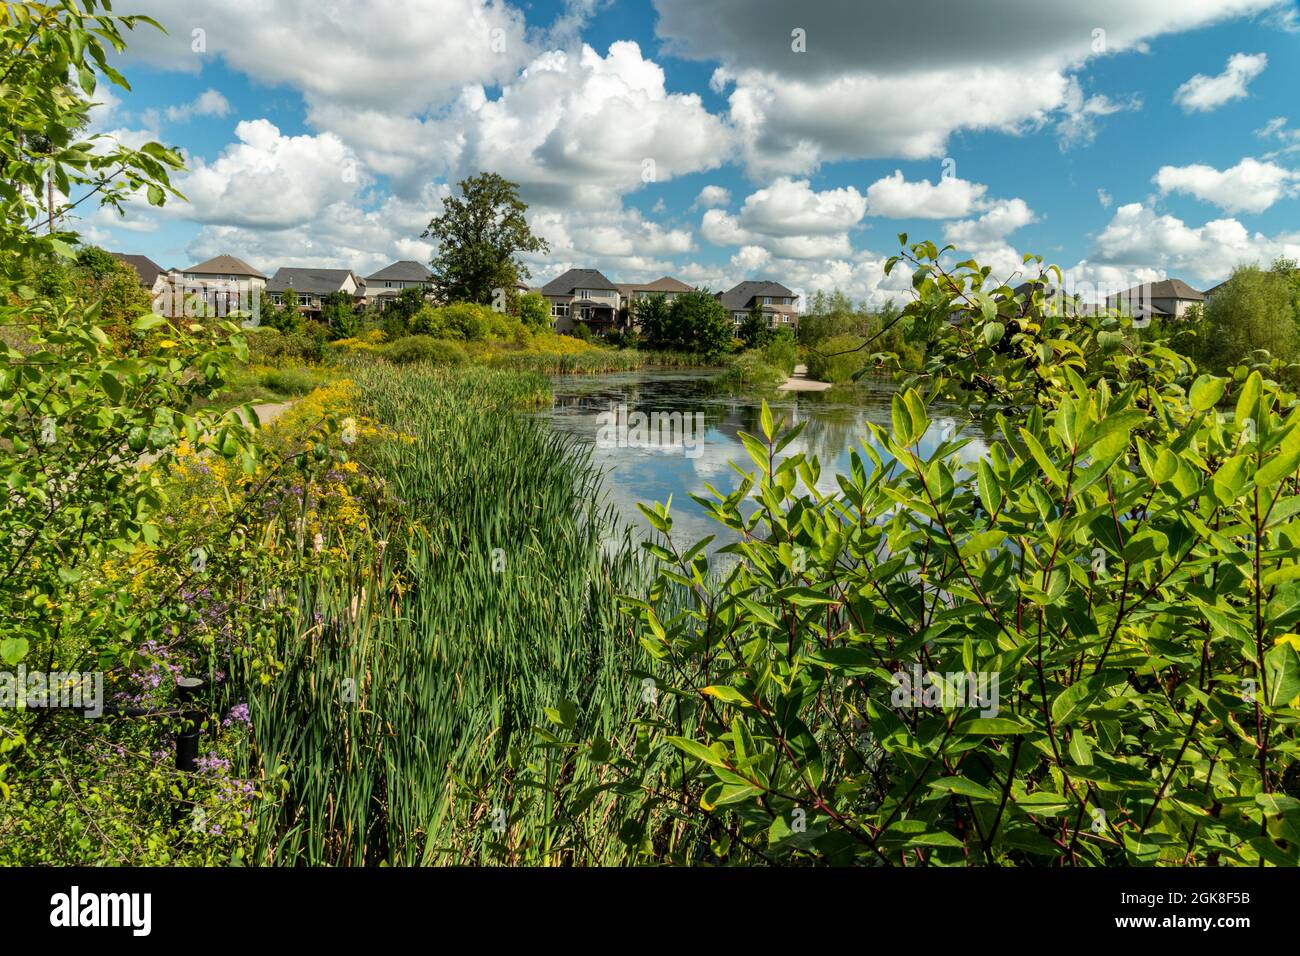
[693, 448]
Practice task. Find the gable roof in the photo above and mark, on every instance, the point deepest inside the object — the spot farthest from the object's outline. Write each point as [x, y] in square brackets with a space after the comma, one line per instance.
[1164, 289]
[1027, 288]
[144, 267]
[403, 270]
[662, 284]
[565, 283]
[226, 266]
[311, 281]
[739, 296]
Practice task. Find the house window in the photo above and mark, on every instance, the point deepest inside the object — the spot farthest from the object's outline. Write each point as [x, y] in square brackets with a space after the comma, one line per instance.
[559, 309]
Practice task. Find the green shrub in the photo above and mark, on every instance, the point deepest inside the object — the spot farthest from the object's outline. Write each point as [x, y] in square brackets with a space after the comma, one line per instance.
[429, 320]
[826, 366]
[694, 321]
[424, 348]
[535, 311]
[467, 320]
[751, 369]
[1256, 309]
[781, 351]
[291, 380]
[269, 346]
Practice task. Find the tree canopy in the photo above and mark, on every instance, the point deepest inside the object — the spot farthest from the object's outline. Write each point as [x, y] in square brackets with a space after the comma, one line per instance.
[480, 237]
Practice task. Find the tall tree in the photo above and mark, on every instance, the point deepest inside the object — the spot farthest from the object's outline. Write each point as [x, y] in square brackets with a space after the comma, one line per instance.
[697, 322]
[480, 236]
[755, 332]
[1255, 310]
[650, 318]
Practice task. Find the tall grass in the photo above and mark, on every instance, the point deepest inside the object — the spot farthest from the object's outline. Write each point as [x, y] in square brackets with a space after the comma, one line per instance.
[410, 681]
[597, 361]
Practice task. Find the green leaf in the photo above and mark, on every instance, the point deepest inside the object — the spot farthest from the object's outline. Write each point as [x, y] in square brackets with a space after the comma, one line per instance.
[728, 695]
[1040, 456]
[964, 787]
[1278, 467]
[693, 748]
[565, 715]
[916, 411]
[981, 542]
[991, 726]
[1074, 700]
[13, 649]
[901, 419]
[1282, 668]
[112, 387]
[989, 490]
[1248, 401]
[1112, 431]
[1206, 392]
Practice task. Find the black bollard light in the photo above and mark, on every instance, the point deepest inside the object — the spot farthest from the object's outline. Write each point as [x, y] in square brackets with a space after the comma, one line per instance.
[187, 738]
[187, 741]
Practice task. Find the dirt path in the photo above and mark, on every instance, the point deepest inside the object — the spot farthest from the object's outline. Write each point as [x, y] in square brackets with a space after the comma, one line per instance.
[800, 382]
[268, 412]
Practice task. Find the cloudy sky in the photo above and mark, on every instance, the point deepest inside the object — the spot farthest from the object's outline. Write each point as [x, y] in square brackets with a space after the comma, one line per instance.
[726, 140]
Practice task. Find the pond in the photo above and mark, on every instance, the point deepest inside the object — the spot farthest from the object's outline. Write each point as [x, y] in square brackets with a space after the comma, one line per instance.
[689, 435]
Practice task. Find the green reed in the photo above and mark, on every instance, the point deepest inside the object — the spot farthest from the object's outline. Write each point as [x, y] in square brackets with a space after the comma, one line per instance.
[598, 361]
[412, 681]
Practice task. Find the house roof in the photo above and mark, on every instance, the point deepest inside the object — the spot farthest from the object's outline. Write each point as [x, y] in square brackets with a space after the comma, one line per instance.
[662, 284]
[1214, 288]
[1027, 288]
[404, 270]
[311, 281]
[144, 267]
[565, 283]
[1164, 289]
[739, 296]
[226, 266]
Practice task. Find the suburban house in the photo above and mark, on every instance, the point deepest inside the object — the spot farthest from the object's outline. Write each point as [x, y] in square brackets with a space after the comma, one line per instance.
[777, 302]
[312, 286]
[582, 295]
[152, 276]
[224, 269]
[629, 292]
[389, 281]
[221, 285]
[1209, 293]
[1168, 298]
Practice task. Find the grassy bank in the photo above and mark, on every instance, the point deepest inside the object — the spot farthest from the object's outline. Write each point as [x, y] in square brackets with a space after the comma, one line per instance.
[389, 735]
[596, 361]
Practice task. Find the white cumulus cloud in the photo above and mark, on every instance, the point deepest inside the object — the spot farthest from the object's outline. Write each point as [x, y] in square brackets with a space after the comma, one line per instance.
[894, 197]
[1250, 186]
[1203, 93]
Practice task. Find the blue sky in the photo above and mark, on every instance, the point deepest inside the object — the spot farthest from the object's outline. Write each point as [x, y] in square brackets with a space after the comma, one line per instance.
[726, 141]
